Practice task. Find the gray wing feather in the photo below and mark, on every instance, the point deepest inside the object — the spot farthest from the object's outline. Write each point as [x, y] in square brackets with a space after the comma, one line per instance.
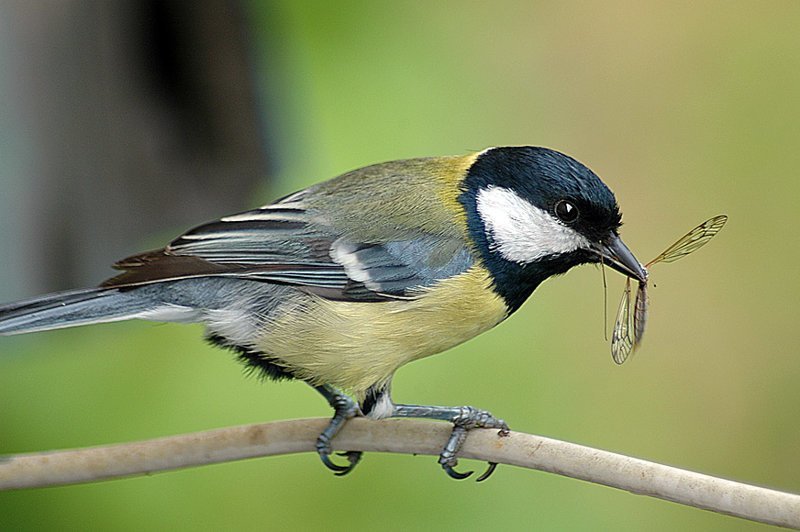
[289, 245]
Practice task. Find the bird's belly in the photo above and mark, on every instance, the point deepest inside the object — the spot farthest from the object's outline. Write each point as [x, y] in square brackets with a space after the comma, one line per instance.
[356, 345]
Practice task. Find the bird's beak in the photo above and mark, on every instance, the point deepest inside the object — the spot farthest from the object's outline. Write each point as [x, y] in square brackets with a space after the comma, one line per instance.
[616, 254]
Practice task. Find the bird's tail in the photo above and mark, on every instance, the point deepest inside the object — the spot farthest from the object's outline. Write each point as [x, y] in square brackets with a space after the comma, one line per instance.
[68, 309]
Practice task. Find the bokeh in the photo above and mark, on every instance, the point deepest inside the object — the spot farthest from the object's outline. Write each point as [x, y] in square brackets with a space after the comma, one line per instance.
[686, 109]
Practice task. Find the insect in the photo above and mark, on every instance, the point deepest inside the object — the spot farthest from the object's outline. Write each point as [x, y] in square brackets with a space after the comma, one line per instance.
[632, 312]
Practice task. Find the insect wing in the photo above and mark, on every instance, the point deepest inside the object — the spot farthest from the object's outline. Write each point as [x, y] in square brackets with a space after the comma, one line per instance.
[621, 337]
[630, 324]
[691, 241]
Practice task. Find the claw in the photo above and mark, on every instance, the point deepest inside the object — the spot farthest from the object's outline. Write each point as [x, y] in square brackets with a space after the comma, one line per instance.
[336, 468]
[488, 472]
[353, 457]
[455, 474]
[324, 451]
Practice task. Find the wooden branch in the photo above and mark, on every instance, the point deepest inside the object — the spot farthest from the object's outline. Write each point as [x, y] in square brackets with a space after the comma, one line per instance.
[402, 436]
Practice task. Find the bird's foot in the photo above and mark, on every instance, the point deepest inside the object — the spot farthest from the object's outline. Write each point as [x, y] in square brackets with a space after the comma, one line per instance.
[468, 418]
[463, 419]
[344, 408]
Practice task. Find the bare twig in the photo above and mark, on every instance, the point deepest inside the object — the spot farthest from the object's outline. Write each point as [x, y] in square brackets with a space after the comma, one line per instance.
[402, 436]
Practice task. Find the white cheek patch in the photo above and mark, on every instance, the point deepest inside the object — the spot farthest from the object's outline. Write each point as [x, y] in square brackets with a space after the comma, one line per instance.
[521, 232]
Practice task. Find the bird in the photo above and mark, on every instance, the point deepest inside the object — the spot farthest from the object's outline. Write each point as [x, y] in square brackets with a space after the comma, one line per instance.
[342, 283]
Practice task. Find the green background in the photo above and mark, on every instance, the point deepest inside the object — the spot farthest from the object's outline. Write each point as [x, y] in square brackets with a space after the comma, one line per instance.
[686, 109]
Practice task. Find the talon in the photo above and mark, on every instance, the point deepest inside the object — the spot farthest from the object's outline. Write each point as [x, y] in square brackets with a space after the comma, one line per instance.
[488, 472]
[353, 457]
[336, 468]
[455, 474]
[324, 451]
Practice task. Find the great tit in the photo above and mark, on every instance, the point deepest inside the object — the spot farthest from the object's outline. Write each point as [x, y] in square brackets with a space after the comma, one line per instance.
[340, 284]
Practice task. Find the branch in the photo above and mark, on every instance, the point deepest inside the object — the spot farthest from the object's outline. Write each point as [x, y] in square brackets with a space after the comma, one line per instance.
[402, 436]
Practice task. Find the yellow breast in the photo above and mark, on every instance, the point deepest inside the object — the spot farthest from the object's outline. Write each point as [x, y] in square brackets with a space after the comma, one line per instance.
[355, 345]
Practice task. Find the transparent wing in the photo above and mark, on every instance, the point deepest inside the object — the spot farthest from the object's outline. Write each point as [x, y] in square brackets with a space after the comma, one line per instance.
[640, 313]
[630, 326]
[622, 340]
[691, 241]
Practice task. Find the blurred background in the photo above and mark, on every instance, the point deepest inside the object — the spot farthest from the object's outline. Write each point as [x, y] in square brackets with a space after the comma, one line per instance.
[123, 124]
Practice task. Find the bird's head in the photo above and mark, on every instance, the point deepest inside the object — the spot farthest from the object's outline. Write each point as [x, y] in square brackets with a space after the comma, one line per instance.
[534, 212]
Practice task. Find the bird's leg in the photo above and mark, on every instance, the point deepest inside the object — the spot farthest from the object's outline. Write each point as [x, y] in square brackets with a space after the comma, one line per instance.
[463, 419]
[378, 404]
[344, 408]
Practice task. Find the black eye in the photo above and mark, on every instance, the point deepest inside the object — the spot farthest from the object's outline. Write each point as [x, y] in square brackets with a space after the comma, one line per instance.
[566, 211]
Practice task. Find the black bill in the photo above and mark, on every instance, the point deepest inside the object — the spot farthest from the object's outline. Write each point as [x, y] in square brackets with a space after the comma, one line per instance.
[617, 255]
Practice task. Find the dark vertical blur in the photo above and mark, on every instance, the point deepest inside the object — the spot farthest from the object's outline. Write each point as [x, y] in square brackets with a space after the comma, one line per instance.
[136, 118]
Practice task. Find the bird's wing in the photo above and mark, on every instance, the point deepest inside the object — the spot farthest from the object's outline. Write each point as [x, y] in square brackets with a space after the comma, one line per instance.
[287, 244]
